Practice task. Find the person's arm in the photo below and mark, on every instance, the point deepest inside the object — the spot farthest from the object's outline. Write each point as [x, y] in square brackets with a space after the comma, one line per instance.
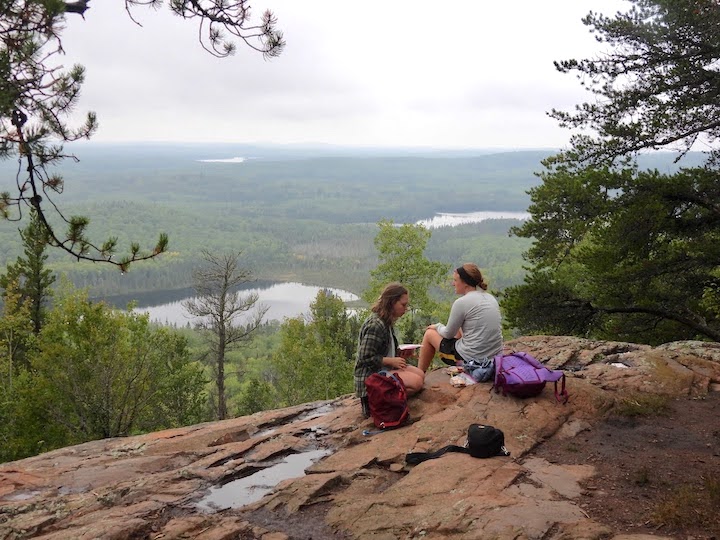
[373, 343]
[453, 328]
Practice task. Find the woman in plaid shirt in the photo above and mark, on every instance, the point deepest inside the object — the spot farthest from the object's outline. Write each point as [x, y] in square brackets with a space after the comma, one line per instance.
[378, 345]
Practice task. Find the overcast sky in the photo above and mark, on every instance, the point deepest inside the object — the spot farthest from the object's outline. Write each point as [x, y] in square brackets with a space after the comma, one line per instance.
[450, 74]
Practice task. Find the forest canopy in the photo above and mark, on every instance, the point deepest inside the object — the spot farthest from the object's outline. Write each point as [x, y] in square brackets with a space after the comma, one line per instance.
[620, 252]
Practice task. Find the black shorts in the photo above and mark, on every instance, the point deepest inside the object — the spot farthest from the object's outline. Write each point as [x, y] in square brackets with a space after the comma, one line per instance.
[447, 352]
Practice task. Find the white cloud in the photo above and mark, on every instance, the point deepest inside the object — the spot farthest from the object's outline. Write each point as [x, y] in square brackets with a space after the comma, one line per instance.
[459, 73]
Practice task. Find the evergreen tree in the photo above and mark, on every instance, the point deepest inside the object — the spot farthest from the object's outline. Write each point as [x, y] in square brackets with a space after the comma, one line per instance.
[658, 85]
[37, 99]
[100, 373]
[15, 338]
[34, 280]
[315, 359]
[258, 395]
[333, 324]
[623, 253]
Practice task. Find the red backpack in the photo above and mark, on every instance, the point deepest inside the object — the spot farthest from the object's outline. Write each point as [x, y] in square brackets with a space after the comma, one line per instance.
[387, 399]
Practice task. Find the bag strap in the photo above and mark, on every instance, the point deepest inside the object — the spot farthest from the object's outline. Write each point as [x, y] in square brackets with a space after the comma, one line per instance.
[562, 396]
[498, 363]
[497, 379]
[413, 458]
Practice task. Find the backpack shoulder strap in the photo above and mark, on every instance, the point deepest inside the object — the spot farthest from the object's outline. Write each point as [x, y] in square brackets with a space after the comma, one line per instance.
[498, 373]
[562, 396]
[498, 362]
[413, 458]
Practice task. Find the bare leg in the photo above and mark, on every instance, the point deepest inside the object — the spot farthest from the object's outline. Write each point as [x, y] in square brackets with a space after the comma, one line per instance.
[430, 344]
[413, 378]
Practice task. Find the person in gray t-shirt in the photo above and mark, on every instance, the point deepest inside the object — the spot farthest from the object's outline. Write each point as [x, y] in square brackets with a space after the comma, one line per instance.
[473, 331]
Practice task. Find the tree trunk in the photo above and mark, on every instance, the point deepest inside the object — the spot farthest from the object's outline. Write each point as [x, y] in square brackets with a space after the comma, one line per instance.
[222, 406]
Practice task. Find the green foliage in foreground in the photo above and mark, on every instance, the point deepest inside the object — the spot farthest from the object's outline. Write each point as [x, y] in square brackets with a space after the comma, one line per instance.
[29, 272]
[315, 359]
[623, 253]
[15, 337]
[314, 356]
[306, 358]
[94, 373]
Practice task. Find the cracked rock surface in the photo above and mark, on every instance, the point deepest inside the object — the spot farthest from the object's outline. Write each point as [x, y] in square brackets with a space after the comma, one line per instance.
[309, 471]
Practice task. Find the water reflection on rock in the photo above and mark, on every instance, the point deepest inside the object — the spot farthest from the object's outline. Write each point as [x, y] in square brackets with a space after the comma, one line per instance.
[250, 489]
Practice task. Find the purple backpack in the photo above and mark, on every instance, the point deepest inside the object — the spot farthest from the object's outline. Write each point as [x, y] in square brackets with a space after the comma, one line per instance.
[522, 375]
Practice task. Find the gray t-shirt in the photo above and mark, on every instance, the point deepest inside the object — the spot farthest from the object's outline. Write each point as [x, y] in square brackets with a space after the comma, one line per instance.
[478, 315]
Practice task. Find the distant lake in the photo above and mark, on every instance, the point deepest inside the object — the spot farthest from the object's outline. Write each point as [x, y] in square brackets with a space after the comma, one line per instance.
[282, 300]
[452, 220]
[224, 160]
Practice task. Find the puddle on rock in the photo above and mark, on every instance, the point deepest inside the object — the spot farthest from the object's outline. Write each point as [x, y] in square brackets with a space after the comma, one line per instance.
[315, 413]
[250, 489]
[264, 433]
[22, 495]
[63, 490]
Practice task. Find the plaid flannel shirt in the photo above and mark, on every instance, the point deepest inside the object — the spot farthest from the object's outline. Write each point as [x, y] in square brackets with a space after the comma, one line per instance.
[372, 348]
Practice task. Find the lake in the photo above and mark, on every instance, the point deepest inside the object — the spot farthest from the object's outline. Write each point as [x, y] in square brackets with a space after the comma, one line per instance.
[282, 300]
[448, 219]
